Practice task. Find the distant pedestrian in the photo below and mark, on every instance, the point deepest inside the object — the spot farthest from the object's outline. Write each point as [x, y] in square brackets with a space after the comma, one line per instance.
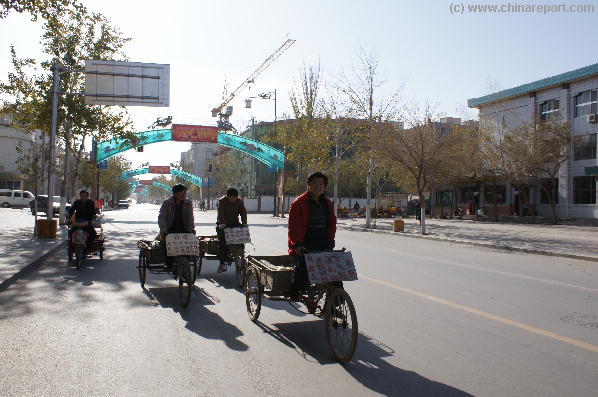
[356, 208]
[418, 212]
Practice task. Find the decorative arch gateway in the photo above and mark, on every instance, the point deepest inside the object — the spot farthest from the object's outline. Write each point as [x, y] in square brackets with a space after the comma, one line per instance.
[196, 180]
[266, 154]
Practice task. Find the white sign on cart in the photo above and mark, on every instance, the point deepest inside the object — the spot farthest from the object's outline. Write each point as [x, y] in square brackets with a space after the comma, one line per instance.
[325, 267]
[182, 244]
[237, 235]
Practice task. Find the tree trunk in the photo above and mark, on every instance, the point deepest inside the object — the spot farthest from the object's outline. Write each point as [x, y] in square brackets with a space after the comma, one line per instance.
[368, 207]
[422, 202]
[336, 175]
[494, 202]
[555, 218]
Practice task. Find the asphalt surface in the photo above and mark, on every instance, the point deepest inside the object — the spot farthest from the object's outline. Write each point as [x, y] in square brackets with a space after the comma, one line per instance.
[435, 319]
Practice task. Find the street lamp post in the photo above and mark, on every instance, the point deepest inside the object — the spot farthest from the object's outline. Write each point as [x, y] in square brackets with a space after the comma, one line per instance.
[270, 95]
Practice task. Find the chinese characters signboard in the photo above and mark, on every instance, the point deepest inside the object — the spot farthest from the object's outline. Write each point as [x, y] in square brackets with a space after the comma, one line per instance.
[194, 133]
[159, 169]
[325, 267]
[182, 244]
[237, 235]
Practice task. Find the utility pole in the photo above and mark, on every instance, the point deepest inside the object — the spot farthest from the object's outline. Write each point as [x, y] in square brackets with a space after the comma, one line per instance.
[52, 148]
[63, 185]
[275, 212]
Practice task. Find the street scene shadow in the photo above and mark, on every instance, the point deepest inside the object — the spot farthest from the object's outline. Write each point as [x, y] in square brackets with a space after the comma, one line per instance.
[368, 366]
[200, 319]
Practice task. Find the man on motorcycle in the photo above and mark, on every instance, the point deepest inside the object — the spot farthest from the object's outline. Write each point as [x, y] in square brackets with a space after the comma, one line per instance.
[83, 209]
[312, 226]
[176, 214]
[230, 207]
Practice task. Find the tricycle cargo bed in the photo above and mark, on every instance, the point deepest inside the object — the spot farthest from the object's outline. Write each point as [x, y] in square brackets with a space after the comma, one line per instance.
[152, 250]
[276, 272]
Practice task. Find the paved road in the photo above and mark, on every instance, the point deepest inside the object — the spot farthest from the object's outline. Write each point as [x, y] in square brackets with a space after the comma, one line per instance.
[435, 319]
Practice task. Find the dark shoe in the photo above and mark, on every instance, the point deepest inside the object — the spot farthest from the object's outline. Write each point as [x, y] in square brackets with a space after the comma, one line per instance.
[311, 305]
[294, 295]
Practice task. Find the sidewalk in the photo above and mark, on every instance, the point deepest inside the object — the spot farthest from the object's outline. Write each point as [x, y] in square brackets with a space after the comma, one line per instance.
[580, 242]
[20, 250]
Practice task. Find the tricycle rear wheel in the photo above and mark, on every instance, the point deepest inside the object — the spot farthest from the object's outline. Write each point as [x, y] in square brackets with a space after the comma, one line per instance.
[253, 293]
[340, 321]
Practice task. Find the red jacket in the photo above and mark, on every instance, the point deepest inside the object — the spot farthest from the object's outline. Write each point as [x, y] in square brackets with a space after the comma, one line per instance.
[299, 217]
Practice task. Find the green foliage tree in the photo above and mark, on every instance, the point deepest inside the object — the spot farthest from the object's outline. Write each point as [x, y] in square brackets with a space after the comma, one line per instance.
[69, 37]
[36, 8]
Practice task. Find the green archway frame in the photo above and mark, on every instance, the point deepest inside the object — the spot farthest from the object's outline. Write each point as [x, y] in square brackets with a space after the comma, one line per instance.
[196, 180]
[266, 154]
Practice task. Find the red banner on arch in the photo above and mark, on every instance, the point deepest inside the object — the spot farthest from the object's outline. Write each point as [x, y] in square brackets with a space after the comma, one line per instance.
[194, 133]
[159, 169]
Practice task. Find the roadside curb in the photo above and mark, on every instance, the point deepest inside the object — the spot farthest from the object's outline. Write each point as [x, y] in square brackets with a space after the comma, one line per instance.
[30, 267]
[474, 243]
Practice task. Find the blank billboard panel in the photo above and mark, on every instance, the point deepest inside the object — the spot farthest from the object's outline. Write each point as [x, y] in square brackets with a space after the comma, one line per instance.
[127, 83]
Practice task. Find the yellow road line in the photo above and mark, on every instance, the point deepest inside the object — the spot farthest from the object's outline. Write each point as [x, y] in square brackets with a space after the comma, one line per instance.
[506, 321]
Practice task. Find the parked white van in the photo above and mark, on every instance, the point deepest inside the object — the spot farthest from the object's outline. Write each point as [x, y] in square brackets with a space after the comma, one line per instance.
[15, 198]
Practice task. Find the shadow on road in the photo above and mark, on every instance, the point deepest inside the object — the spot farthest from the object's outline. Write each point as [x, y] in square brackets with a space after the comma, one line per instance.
[200, 320]
[368, 365]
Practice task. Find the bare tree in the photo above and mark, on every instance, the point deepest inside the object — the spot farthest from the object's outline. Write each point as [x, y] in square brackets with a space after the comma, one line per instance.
[426, 155]
[538, 150]
[363, 91]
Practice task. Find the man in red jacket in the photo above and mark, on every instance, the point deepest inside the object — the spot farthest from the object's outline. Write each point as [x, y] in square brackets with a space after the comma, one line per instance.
[312, 226]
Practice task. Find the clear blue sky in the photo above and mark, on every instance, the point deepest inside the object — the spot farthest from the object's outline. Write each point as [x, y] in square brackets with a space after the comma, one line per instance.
[436, 56]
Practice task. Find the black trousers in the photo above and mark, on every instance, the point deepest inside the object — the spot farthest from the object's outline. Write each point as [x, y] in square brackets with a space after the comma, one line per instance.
[300, 276]
[223, 252]
[91, 234]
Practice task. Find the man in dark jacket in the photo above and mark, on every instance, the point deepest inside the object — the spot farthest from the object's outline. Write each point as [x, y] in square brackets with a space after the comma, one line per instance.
[312, 226]
[176, 216]
[176, 213]
[230, 207]
[83, 209]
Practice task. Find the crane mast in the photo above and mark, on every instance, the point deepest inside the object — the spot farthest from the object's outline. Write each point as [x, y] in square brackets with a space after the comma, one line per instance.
[217, 111]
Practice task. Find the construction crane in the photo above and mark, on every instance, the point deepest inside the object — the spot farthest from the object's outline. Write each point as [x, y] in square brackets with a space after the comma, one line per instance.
[223, 123]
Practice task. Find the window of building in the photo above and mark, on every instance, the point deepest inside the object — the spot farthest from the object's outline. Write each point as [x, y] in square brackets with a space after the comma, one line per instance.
[443, 131]
[549, 110]
[501, 194]
[445, 198]
[584, 147]
[586, 103]
[584, 190]
[546, 190]
[12, 185]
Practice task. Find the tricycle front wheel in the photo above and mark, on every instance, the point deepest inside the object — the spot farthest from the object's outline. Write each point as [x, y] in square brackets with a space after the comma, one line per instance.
[185, 276]
[142, 268]
[340, 321]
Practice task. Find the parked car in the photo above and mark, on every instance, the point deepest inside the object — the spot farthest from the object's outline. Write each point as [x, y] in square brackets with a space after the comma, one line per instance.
[123, 204]
[42, 201]
[15, 198]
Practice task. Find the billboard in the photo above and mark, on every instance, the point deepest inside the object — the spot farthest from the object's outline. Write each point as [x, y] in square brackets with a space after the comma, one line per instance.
[194, 133]
[159, 169]
[127, 83]
[145, 182]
